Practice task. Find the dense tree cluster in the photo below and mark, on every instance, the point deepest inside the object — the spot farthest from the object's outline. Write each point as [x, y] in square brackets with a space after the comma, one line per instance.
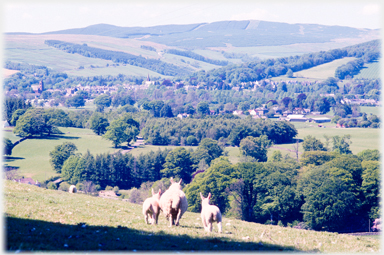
[332, 196]
[190, 54]
[126, 171]
[228, 131]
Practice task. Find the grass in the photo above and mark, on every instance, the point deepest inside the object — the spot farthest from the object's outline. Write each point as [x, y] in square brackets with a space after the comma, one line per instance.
[370, 71]
[47, 220]
[370, 109]
[323, 71]
[32, 155]
[362, 138]
[35, 162]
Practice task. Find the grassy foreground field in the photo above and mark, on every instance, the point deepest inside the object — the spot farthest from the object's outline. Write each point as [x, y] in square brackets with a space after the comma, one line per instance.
[48, 220]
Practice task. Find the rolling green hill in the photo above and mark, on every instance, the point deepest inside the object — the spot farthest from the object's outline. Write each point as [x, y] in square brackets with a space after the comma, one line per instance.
[38, 220]
[217, 34]
[211, 40]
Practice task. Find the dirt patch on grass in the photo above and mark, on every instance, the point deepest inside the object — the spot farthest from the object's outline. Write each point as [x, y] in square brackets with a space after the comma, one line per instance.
[8, 72]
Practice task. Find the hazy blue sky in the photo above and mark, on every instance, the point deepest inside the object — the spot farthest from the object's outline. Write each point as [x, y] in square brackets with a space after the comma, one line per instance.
[44, 16]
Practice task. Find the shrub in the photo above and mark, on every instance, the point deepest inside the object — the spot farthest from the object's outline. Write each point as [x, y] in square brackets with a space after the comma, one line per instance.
[51, 185]
[80, 186]
[116, 189]
[64, 186]
[108, 188]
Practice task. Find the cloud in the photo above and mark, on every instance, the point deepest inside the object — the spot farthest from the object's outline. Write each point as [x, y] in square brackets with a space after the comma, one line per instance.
[257, 14]
[371, 9]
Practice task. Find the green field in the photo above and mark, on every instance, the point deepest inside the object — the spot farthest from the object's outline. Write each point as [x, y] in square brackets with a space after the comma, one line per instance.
[373, 110]
[35, 162]
[39, 219]
[323, 71]
[32, 155]
[370, 71]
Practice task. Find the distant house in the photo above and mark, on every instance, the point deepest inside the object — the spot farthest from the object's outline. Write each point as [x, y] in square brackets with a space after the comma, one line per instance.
[296, 118]
[182, 115]
[286, 113]
[321, 120]
[237, 112]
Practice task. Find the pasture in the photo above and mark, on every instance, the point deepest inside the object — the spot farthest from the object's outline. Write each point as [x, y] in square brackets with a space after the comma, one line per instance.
[38, 219]
[371, 110]
[370, 71]
[32, 155]
[35, 162]
[322, 72]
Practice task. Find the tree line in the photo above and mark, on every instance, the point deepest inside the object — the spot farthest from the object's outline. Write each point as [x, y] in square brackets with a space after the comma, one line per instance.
[233, 75]
[190, 54]
[118, 57]
[227, 131]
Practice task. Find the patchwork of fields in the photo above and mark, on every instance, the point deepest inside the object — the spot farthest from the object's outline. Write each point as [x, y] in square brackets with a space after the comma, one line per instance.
[35, 162]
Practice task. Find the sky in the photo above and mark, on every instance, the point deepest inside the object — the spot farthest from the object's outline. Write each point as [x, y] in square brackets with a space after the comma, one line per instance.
[36, 16]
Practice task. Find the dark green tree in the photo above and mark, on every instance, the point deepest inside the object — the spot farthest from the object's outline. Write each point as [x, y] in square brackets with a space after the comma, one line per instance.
[317, 157]
[73, 169]
[202, 108]
[116, 132]
[215, 180]
[75, 101]
[34, 122]
[371, 187]
[341, 144]
[166, 111]
[60, 154]
[208, 150]
[330, 198]
[178, 163]
[99, 124]
[310, 143]
[256, 147]
[103, 101]
[369, 155]
[16, 115]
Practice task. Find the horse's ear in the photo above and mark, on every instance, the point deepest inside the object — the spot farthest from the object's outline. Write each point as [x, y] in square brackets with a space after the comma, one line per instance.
[159, 191]
[209, 195]
[201, 195]
[180, 181]
[171, 180]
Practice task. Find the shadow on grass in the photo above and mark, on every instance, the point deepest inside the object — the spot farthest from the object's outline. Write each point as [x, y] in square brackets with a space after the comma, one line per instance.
[37, 235]
[11, 159]
[55, 137]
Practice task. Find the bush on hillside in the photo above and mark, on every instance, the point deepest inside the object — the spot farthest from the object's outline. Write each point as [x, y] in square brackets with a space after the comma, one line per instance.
[64, 186]
[51, 185]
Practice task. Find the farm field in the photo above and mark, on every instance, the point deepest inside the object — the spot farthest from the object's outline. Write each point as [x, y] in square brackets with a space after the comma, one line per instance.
[370, 71]
[322, 72]
[373, 110]
[32, 155]
[35, 163]
[62, 221]
[362, 138]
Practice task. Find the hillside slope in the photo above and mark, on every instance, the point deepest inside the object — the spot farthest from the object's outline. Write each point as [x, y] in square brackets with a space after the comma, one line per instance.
[40, 220]
[217, 34]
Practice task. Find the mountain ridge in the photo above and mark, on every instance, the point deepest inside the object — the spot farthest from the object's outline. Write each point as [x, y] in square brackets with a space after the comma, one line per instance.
[244, 33]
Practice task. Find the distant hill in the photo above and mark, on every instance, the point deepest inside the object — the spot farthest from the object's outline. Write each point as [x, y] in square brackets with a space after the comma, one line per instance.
[218, 34]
